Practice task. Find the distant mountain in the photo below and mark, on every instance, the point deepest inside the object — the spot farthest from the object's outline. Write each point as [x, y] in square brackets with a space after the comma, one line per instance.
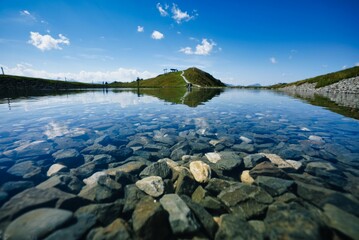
[255, 85]
[195, 76]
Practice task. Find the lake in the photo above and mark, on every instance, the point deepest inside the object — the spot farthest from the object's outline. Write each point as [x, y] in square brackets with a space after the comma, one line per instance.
[261, 164]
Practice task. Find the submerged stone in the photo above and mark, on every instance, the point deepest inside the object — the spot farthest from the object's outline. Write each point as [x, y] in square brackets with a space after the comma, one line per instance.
[150, 220]
[37, 224]
[200, 171]
[152, 185]
[181, 218]
[160, 169]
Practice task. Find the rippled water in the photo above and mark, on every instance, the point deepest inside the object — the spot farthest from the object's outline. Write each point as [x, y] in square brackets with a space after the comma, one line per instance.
[34, 128]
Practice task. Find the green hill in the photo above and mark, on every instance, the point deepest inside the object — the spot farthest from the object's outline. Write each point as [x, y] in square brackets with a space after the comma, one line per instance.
[201, 78]
[324, 80]
[174, 79]
[20, 82]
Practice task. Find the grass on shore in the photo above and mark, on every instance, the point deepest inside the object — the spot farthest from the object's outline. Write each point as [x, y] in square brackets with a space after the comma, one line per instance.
[324, 80]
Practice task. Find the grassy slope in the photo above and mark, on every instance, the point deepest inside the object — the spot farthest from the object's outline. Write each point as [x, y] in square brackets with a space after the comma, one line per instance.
[199, 77]
[19, 82]
[163, 80]
[325, 80]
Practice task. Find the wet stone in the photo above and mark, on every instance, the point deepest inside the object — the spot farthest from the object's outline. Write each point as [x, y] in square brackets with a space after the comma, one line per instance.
[67, 183]
[118, 230]
[292, 221]
[132, 196]
[185, 183]
[105, 213]
[200, 171]
[274, 186]
[14, 187]
[56, 168]
[24, 168]
[152, 185]
[37, 224]
[233, 226]
[181, 218]
[268, 169]
[82, 225]
[252, 160]
[205, 219]
[216, 185]
[342, 221]
[132, 167]
[160, 169]
[244, 147]
[68, 157]
[150, 220]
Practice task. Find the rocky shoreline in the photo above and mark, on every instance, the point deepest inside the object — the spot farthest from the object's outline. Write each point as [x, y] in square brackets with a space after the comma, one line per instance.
[347, 86]
[106, 192]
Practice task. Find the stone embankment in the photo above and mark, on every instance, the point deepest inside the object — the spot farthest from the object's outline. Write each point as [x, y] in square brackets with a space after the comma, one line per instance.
[350, 86]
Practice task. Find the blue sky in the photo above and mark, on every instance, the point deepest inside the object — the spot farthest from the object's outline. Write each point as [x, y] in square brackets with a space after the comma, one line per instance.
[240, 42]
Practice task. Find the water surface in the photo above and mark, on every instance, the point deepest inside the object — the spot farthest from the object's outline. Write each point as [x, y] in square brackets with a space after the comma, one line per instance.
[151, 122]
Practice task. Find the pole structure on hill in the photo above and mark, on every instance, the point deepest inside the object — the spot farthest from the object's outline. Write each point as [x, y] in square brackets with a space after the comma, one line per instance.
[2, 70]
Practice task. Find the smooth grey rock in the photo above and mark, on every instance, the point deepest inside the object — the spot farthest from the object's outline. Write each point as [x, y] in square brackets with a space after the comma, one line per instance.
[160, 169]
[105, 213]
[152, 185]
[212, 204]
[150, 220]
[3, 197]
[37, 224]
[29, 199]
[181, 218]
[24, 168]
[83, 224]
[200, 171]
[233, 226]
[342, 221]
[99, 193]
[274, 186]
[68, 157]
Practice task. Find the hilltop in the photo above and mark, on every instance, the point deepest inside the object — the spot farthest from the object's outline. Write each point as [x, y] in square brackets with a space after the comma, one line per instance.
[342, 81]
[195, 76]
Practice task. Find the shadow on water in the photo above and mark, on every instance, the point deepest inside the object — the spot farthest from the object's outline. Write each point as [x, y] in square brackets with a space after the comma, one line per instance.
[341, 103]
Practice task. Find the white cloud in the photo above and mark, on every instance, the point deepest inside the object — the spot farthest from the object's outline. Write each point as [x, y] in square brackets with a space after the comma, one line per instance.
[120, 74]
[162, 10]
[25, 13]
[357, 64]
[180, 16]
[140, 29]
[205, 48]
[46, 42]
[157, 35]
[344, 67]
[273, 60]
